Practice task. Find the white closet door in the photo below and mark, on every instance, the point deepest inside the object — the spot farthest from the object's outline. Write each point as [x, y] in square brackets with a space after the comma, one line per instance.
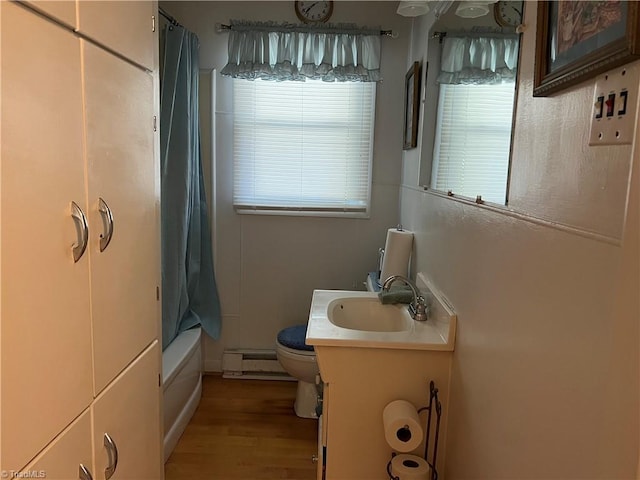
[124, 26]
[45, 326]
[129, 412]
[121, 171]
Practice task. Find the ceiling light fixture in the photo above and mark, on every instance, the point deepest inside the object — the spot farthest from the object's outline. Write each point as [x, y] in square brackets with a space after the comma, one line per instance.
[470, 9]
[413, 8]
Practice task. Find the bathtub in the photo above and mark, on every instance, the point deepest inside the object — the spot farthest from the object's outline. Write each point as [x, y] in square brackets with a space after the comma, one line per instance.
[182, 385]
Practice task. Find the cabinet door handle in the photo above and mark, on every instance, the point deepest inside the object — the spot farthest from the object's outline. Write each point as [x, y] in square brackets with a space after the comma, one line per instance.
[112, 452]
[107, 221]
[84, 473]
[82, 230]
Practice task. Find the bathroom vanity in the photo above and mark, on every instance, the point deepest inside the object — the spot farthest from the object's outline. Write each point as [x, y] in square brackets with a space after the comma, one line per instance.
[370, 354]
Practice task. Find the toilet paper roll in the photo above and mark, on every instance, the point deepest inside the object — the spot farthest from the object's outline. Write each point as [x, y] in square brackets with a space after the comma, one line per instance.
[397, 251]
[402, 428]
[410, 467]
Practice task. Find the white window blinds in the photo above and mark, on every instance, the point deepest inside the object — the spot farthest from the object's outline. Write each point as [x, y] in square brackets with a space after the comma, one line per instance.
[473, 138]
[302, 146]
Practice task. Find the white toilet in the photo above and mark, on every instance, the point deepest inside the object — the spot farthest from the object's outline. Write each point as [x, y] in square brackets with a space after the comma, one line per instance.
[299, 360]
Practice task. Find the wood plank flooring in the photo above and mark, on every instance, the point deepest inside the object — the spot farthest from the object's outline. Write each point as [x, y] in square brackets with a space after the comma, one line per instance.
[245, 429]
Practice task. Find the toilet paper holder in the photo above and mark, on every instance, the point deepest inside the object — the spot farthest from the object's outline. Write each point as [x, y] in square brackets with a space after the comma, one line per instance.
[434, 405]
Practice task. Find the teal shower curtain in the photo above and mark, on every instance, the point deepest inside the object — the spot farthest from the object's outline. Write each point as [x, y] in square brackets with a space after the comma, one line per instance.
[189, 292]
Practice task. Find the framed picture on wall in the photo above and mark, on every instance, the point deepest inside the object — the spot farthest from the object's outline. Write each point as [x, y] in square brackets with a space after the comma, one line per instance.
[411, 106]
[577, 40]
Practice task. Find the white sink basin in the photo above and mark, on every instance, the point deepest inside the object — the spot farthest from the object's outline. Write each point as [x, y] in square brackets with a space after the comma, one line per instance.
[368, 314]
[343, 318]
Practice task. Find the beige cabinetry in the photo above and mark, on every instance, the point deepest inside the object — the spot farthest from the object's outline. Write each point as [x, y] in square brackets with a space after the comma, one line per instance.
[349, 451]
[79, 315]
[121, 178]
[125, 27]
[65, 457]
[128, 411]
[63, 11]
[131, 400]
[45, 323]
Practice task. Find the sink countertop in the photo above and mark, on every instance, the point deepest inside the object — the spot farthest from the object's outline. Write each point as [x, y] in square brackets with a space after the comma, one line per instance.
[437, 333]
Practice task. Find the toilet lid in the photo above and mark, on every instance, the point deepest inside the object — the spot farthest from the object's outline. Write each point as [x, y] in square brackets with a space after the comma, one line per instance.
[293, 337]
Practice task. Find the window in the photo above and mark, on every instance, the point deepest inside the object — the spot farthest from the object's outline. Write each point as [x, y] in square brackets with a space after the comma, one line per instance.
[303, 146]
[473, 139]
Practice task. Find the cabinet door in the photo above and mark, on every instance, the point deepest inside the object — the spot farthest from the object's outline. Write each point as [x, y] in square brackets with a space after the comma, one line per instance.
[44, 320]
[121, 171]
[126, 27]
[61, 10]
[62, 457]
[129, 412]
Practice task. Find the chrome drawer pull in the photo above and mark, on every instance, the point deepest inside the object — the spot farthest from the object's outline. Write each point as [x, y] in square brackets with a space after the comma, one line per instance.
[82, 230]
[84, 473]
[107, 221]
[112, 452]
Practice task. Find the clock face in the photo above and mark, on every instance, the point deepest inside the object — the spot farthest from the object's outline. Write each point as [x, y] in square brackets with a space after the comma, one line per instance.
[314, 10]
[508, 13]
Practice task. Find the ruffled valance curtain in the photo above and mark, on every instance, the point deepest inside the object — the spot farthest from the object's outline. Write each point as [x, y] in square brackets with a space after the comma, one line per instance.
[270, 51]
[477, 61]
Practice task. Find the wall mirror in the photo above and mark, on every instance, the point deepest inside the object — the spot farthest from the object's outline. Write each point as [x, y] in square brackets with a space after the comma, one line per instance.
[471, 89]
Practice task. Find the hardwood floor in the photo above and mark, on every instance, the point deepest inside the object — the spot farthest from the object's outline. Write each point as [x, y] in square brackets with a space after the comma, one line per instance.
[245, 429]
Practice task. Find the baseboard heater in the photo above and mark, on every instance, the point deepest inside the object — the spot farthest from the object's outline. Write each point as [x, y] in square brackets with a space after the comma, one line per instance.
[252, 365]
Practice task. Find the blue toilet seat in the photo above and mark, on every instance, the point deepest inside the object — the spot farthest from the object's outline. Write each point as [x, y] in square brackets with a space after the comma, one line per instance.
[293, 337]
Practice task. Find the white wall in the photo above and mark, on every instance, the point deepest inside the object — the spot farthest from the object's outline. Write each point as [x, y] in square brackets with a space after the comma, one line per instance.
[545, 379]
[268, 266]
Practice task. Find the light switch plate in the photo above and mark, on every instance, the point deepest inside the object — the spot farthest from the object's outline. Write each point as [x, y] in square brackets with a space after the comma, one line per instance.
[616, 126]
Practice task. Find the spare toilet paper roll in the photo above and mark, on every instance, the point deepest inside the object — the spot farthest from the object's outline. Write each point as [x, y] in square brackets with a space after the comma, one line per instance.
[409, 467]
[402, 428]
[397, 251]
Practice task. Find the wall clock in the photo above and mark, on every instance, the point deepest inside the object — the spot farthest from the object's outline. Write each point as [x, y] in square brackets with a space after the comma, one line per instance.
[508, 13]
[314, 11]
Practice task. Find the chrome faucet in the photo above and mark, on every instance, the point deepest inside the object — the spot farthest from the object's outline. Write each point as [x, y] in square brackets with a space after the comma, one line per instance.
[417, 308]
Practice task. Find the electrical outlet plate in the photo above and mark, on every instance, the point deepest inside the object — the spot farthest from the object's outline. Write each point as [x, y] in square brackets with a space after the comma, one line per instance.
[615, 101]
